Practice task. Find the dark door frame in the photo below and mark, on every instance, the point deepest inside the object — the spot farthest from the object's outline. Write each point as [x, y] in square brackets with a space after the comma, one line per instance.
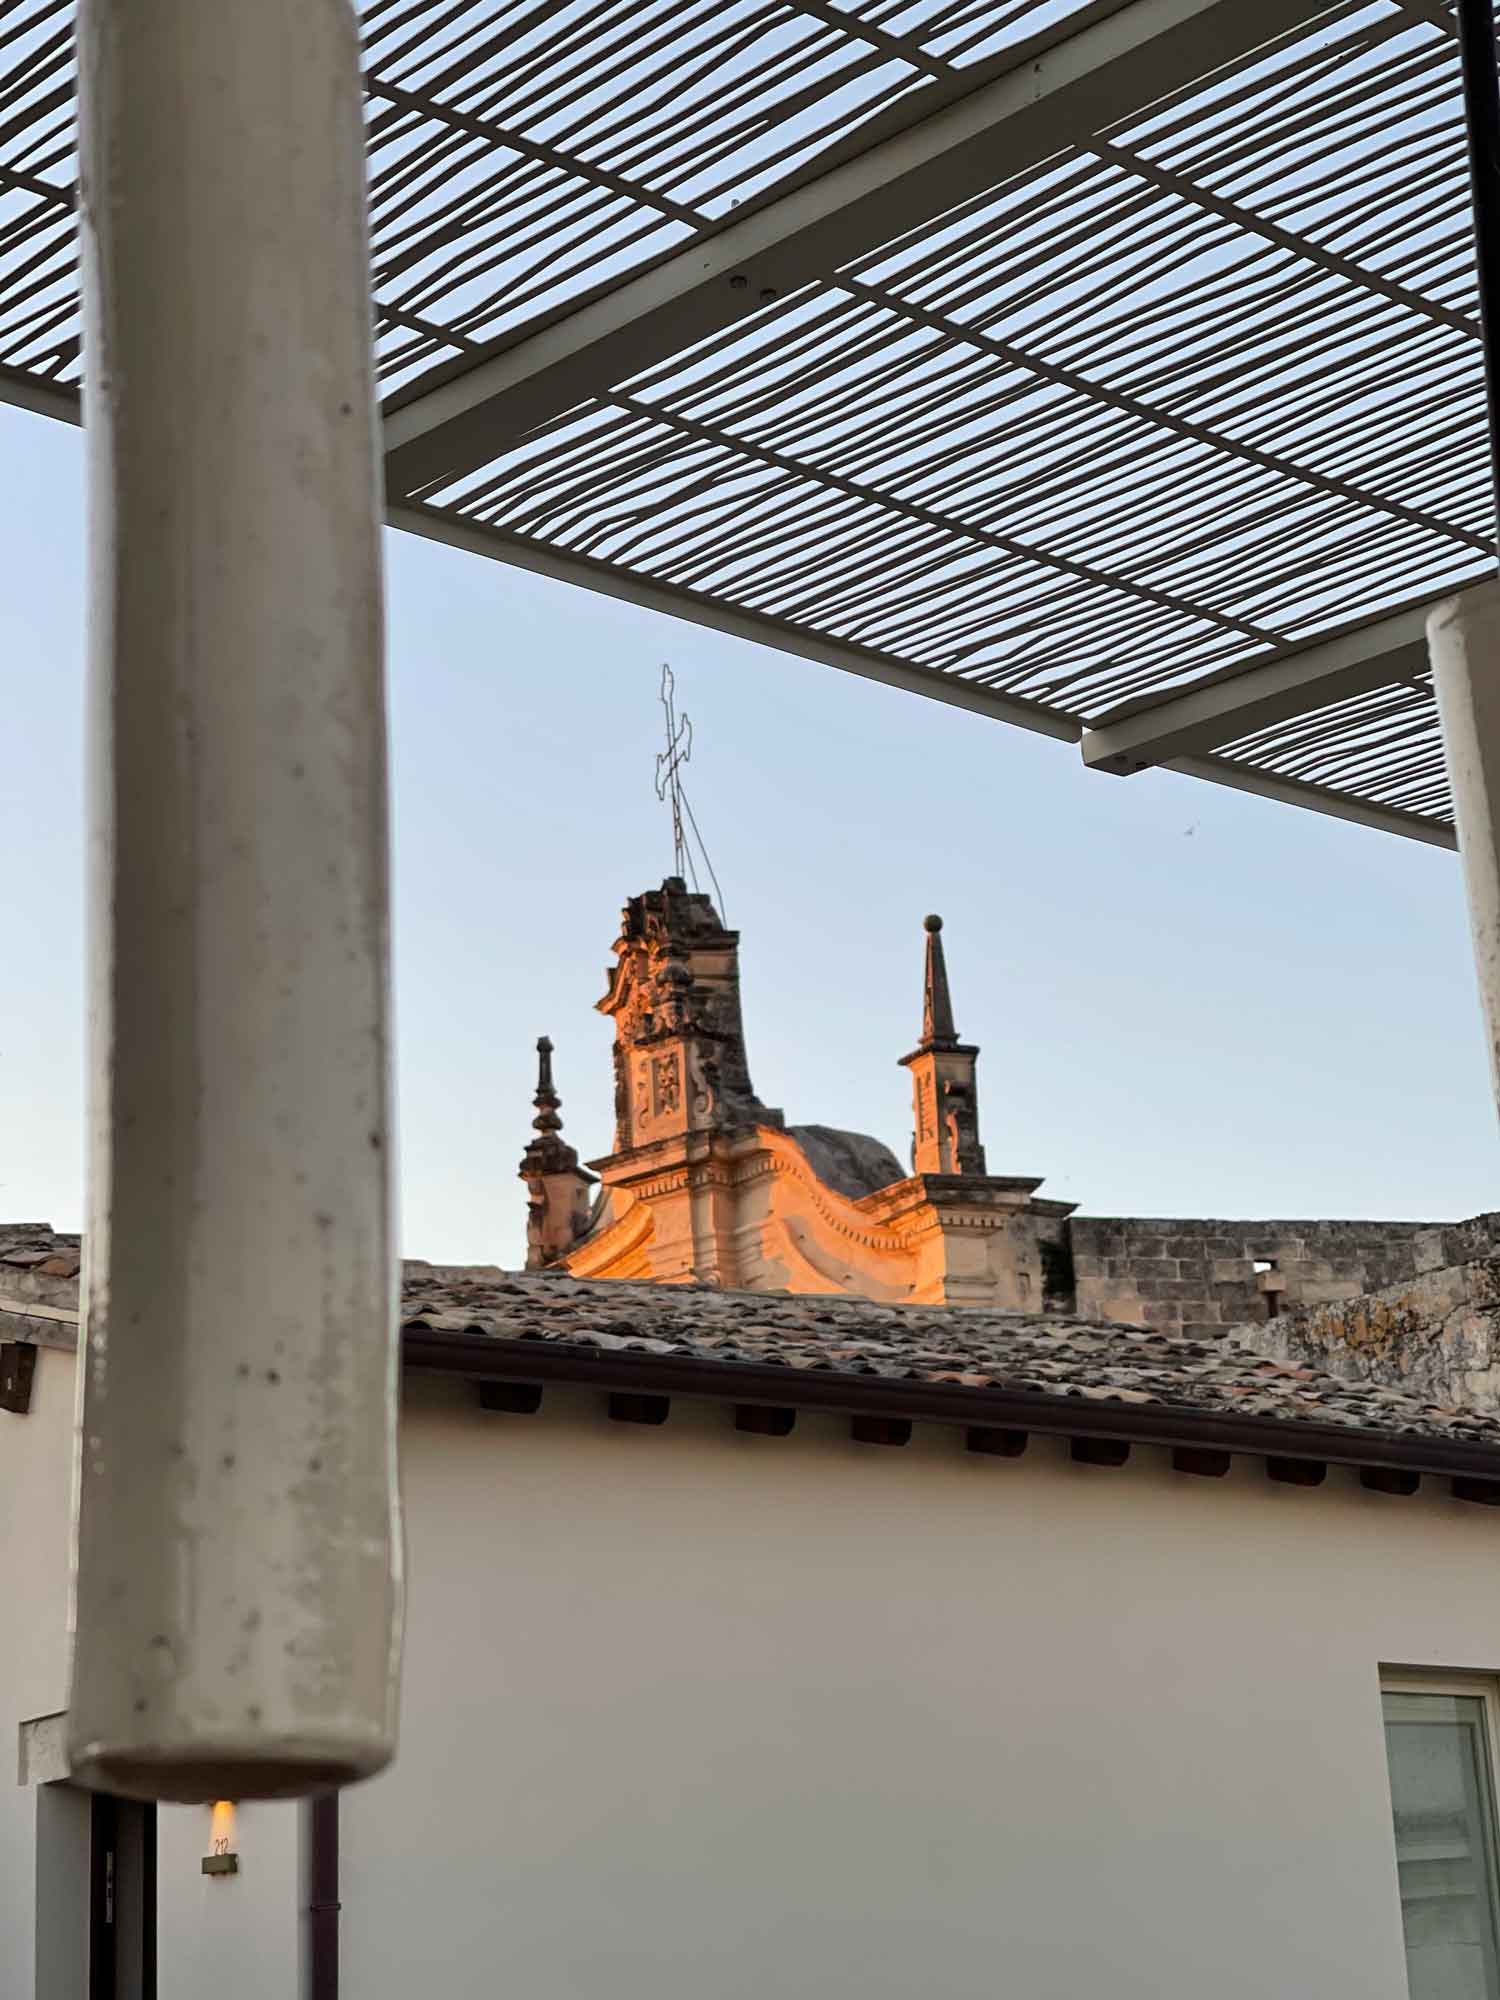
[122, 1899]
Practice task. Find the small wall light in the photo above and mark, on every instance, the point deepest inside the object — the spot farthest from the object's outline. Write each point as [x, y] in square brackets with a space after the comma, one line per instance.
[221, 1858]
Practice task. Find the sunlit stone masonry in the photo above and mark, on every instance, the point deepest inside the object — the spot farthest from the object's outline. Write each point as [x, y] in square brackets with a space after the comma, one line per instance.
[706, 1183]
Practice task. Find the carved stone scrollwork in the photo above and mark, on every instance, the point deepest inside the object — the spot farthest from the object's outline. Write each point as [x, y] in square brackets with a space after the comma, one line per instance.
[961, 1121]
[703, 1081]
[666, 1085]
[622, 1095]
[642, 1093]
[674, 999]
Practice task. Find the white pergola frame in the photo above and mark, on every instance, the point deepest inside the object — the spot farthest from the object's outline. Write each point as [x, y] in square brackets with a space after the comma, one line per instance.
[1221, 709]
[1178, 735]
[1111, 62]
[1114, 59]
[931, 151]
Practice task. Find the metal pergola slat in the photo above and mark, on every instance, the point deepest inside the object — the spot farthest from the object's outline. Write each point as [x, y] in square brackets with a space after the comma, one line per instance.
[1109, 367]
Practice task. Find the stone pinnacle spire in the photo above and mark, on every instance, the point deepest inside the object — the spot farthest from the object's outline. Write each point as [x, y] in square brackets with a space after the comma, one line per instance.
[945, 1101]
[558, 1188]
[548, 1103]
[937, 1003]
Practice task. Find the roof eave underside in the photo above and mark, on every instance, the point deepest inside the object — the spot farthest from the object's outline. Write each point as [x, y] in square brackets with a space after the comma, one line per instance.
[976, 347]
[485, 1357]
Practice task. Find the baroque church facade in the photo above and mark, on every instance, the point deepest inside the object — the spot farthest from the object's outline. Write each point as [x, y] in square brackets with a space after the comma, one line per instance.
[707, 1184]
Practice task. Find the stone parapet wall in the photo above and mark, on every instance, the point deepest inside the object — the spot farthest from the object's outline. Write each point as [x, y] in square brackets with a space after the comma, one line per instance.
[1434, 1333]
[1199, 1277]
[1447, 1243]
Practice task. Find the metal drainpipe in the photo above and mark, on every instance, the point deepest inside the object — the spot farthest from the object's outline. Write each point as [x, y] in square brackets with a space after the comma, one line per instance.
[320, 1897]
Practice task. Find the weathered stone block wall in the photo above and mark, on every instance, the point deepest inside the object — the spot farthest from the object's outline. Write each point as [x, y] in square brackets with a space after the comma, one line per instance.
[1198, 1277]
[37, 1266]
[1434, 1333]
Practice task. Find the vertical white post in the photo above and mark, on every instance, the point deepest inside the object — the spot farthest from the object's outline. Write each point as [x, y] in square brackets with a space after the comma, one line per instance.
[1463, 640]
[237, 1582]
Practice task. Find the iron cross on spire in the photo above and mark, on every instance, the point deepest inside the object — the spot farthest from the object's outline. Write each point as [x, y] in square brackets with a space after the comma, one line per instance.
[669, 763]
[669, 788]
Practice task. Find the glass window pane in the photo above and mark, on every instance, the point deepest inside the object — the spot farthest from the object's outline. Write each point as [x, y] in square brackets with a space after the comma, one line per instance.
[1442, 1796]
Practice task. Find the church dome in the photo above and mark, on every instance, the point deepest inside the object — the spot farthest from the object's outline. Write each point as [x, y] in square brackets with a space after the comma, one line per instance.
[852, 1163]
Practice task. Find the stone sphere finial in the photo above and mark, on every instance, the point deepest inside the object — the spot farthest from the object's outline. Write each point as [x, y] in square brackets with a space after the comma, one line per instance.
[932, 923]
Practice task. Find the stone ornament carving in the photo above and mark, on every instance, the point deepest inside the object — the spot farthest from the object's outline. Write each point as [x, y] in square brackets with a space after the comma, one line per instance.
[924, 1108]
[703, 1082]
[674, 998]
[622, 1087]
[666, 1094]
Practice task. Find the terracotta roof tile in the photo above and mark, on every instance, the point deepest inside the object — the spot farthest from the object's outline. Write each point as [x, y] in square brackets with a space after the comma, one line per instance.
[1096, 1361]
[964, 1348]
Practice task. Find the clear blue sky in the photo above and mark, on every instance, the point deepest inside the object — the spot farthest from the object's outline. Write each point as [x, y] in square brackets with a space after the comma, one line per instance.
[1189, 1002]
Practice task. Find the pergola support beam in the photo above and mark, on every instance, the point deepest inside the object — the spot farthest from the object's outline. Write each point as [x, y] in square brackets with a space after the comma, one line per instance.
[1231, 705]
[718, 616]
[1316, 798]
[587, 574]
[60, 401]
[1465, 639]
[237, 1579]
[1065, 88]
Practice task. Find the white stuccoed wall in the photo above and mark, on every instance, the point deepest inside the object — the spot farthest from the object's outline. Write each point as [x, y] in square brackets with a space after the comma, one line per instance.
[227, 1937]
[236, 1939]
[35, 1485]
[691, 1716]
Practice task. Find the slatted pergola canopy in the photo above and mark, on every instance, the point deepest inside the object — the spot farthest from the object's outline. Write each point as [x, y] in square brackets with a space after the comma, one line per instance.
[1109, 367]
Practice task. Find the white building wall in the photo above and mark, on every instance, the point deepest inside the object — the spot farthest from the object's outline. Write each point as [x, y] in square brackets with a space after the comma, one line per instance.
[235, 1938]
[695, 1716]
[35, 1495]
[227, 1937]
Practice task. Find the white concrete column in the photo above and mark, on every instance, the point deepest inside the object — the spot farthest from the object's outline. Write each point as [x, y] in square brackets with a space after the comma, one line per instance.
[237, 1581]
[1463, 639]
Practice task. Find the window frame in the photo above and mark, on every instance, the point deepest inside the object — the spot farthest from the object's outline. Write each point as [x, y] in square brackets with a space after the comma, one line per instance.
[1456, 1681]
[1474, 1683]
